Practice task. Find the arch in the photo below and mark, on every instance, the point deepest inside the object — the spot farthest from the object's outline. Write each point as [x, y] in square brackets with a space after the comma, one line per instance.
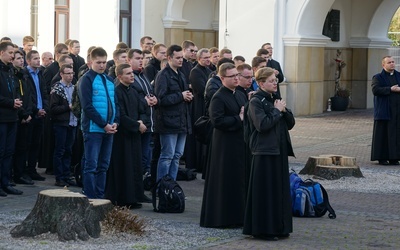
[173, 14]
[381, 19]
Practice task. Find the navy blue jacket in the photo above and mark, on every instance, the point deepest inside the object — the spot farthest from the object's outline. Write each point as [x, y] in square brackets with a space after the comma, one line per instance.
[381, 90]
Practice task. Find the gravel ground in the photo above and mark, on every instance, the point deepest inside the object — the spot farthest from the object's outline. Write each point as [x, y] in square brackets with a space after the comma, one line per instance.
[164, 234]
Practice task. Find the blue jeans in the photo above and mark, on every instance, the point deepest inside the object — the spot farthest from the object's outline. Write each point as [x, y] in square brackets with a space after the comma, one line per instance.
[64, 137]
[172, 146]
[8, 134]
[146, 151]
[98, 147]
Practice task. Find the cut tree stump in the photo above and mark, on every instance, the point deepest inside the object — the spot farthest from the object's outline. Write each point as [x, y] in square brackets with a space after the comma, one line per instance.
[332, 167]
[69, 214]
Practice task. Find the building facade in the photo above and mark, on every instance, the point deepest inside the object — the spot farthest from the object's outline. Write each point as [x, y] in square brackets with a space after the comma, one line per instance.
[305, 34]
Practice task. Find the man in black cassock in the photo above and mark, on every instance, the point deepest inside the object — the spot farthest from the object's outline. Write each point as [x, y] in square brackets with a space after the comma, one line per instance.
[224, 189]
[124, 177]
[386, 134]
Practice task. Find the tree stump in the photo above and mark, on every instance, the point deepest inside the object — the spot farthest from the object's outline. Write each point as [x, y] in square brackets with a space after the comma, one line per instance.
[69, 214]
[332, 167]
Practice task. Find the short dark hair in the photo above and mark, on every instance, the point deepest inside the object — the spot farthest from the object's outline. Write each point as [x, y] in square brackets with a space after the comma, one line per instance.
[118, 52]
[59, 47]
[224, 51]
[243, 66]
[239, 58]
[62, 58]
[144, 38]
[262, 52]
[224, 60]
[98, 52]
[30, 53]
[5, 39]
[132, 51]
[262, 46]
[157, 47]
[224, 67]
[4, 45]
[171, 49]
[65, 66]
[71, 43]
[17, 51]
[257, 60]
[145, 51]
[120, 68]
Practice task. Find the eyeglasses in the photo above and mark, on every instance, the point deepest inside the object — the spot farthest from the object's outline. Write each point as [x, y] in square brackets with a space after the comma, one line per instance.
[70, 73]
[246, 77]
[193, 51]
[233, 76]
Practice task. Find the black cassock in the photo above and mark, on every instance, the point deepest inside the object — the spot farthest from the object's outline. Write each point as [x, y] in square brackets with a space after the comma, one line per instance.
[224, 189]
[268, 205]
[124, 176]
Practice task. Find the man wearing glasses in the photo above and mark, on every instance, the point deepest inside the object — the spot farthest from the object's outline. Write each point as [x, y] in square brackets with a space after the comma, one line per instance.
[273, 63]
[146, 43]
[245, 79]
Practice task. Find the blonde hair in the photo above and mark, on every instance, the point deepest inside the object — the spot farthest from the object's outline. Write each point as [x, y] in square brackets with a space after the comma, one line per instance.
[263, 73]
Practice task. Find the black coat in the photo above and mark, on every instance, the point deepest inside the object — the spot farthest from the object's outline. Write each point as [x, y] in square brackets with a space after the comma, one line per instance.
[152, 68]
[78, 62]
[385, 135]
[25, 93]
[124, 176]
[172, 113]
[144, 88]
[43, 91]
[9, 91]
[268, 205]
[59, 106]
[49, 73]
[198, 79]
[224, 189]
[213, 84]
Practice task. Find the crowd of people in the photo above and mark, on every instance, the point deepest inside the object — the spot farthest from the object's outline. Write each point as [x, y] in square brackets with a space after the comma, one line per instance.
[104, 124]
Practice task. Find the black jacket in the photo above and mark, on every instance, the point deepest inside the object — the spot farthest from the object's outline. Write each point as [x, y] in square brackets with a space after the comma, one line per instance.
[172, 113]
[8, 93]
[78, 62]
[43, 91]
[213, 85]
[267, 124]
[152, 68]
[144, 88]
[59, 106]
[25, 93]
[49, 73]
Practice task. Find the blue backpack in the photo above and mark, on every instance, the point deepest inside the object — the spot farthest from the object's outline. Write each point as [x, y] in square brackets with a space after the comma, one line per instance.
[309, 198]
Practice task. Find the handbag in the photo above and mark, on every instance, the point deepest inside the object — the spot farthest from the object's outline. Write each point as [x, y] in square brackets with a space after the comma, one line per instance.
[203, 129]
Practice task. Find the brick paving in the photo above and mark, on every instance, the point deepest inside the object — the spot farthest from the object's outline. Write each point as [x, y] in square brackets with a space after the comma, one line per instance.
[364, 220]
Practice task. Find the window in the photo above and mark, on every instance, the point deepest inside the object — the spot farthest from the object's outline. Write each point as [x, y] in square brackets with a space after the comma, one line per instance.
[125, 21]
[61, 32]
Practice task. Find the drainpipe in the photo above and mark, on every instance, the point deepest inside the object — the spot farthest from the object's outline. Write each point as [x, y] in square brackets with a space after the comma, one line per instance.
[34, 20]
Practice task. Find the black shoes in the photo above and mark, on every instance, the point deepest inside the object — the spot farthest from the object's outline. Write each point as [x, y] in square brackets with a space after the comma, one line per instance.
[2, 193]
[271, 237]
[37, 177]
[11, 190]
[71, 182]
[61, 183]
[24, 180]
[386, 163]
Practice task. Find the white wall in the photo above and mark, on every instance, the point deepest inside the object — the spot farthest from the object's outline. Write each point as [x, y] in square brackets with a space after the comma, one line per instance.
[154, 11]
[250, 23]
[45, 26]
[200, 14]
[15, 19]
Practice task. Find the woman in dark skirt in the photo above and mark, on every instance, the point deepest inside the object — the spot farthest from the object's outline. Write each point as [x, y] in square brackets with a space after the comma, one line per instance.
[268, 213]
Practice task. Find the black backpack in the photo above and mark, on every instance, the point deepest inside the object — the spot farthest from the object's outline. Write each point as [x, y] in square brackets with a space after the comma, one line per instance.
[186, 174]
[171, 198]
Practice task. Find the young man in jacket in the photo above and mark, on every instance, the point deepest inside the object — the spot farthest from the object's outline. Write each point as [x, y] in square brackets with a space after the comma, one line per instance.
[9, 104]
[64, 126]
[173, 121]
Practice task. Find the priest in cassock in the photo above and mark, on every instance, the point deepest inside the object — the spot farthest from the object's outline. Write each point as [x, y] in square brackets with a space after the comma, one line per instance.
[124, 177]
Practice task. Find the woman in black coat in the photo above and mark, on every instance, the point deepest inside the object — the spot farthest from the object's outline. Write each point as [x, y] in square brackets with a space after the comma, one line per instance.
[268, 213]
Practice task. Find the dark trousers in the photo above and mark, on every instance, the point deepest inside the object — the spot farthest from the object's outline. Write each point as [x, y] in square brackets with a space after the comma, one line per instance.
[8, 133]
[64, 137]
[21, 150]
[35, 131]
[146, 151]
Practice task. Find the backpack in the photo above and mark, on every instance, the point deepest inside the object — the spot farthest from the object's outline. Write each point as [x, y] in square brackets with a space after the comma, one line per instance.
[309, 198]
[171, 198]
[186, 174]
